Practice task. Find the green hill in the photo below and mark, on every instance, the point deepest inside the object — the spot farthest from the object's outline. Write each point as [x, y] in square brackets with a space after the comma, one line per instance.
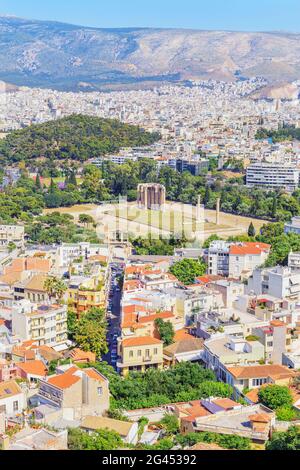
[74, 138]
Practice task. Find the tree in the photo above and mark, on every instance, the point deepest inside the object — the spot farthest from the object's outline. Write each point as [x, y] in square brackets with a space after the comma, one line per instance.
[285, 413]
[275, 396]
[55, 287]
[251, 230]
[223, 440]
[91, 336]
[207, 195]
[71, 323]
[38, 184]
[289, 440]
[100, 440]
[274, 207]
[11, 246]
[170, 423]
[165, 330]
[86, 219]
[96, 314]
[187, 270]
[72, 179]
[210, 239]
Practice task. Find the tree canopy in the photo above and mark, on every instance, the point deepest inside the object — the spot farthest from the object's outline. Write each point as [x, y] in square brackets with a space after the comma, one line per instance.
[289, 440]
[183, 382]
[76, 137]
[188, 269]
[275, 396]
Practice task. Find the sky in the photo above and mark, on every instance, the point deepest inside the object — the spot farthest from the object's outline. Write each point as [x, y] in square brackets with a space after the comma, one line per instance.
[239, 15]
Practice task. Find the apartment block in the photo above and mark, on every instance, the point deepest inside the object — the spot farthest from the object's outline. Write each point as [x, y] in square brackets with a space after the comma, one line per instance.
[228, 351]
[45, 324]
[273, 176]
[236, 260]
[279, 281]
[11, 234]
[276, 340]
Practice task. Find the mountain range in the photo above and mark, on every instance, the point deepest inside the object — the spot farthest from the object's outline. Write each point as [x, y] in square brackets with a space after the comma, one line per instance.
[69, 57]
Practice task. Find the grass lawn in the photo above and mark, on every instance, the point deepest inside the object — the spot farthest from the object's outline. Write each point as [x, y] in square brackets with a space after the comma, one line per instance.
[170, 220]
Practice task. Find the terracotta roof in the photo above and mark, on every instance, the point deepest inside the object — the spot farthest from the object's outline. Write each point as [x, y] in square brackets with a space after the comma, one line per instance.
[140, 341]
[249, 248]
[277, 323]
[79, 355]
[249, 372]
[93, 374]
[33, 368]
[11, 278]
[48, 353]
[156, 316]
[182, 334]
[226, 403]
[260, 418]
[133, 308]
[9, 389]
[208, 278]
[36, 283]
[253, 395]
[63, 381]
[184, 346]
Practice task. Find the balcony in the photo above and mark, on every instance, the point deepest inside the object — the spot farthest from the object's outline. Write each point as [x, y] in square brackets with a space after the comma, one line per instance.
[147, 359]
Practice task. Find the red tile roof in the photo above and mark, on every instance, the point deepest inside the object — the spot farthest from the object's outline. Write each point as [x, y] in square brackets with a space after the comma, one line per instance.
[249, 248]
[140, 341]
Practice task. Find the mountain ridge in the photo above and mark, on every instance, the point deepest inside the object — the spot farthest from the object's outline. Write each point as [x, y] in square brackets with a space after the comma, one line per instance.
[63, 56]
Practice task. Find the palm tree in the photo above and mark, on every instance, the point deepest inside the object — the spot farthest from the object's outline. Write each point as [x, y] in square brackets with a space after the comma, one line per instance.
[55, 288]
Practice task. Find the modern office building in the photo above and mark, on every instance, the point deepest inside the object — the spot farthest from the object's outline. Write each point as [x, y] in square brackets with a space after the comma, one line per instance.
[273, 176]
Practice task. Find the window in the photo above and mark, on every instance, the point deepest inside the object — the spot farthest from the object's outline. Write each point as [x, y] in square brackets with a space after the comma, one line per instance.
[130, 353]
[147, 352]
[100, 391]
[139, 352]
[155, 351]
[259, 382]
[15, 405]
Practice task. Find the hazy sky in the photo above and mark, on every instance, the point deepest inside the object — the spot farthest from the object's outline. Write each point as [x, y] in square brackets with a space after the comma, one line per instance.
[248, 15]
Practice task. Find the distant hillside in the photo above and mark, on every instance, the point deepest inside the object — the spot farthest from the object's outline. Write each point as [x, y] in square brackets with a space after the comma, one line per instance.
[74, 138]
[63, 56]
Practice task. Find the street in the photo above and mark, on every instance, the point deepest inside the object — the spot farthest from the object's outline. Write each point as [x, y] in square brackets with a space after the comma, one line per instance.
[113, 313]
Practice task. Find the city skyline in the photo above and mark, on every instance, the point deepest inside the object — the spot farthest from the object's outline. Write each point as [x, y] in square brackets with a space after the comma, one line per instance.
[232, 15]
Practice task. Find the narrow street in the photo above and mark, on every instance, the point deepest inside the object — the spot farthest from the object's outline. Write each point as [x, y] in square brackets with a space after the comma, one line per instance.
[113, 314]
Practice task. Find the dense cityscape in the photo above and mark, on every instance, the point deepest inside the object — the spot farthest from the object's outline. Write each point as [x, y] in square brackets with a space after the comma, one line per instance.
[150, 267]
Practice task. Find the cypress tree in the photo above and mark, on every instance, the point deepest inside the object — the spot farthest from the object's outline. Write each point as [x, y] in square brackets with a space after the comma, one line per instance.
[251, 230]
[38, 184]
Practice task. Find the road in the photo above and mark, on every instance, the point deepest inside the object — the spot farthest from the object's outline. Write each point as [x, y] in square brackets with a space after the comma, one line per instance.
[113, 314]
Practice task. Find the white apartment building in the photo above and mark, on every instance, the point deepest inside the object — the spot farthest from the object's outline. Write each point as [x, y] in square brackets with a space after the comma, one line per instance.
[273, 176]
[67, 252]
[190, 303]
[11, 234]
[236, 260]
[294, 261]
[293, 226]
[229, 351]
[279, 281]
[45, 324]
